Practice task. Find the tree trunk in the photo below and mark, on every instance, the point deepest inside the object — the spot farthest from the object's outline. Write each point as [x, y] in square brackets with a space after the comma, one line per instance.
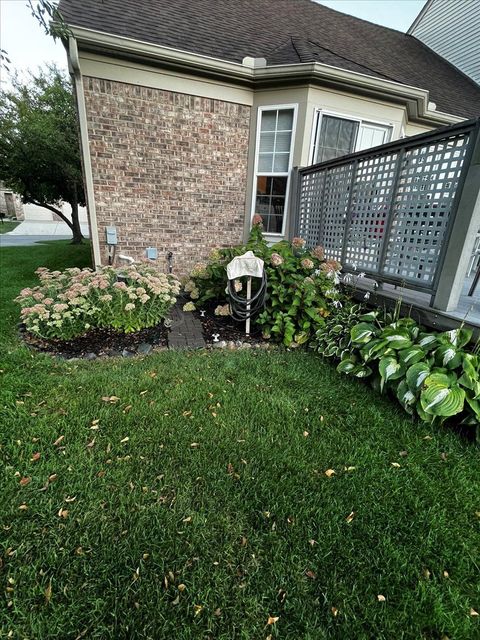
[76, 229]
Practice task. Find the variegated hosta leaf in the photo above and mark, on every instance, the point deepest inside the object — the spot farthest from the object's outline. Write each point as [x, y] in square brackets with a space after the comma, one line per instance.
[471, 365]
[406, 398]
[458, 337]
[361, 371]
[437, 399]
[446, 355]
[411, 356]
[362, 333]
[390, 369]
[427, 341]
[372, 348]
[474, 406]
[346, 366]
[370, 316]
[416, 375]
[397, 338]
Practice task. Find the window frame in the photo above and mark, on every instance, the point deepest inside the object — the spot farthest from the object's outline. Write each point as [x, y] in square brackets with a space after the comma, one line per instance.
[317, 120]
[273, 174]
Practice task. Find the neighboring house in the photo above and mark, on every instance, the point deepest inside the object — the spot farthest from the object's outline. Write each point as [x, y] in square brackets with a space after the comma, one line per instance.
[193, 113]
[10, 203]
[452, 29]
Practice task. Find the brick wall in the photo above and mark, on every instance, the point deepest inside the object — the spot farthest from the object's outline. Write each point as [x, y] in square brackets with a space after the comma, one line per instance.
[169, 170]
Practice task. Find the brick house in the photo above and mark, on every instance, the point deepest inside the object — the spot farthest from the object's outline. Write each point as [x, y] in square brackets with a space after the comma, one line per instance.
[192, 114]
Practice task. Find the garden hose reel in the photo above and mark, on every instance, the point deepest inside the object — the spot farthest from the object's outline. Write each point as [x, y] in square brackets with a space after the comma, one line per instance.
[243, 309]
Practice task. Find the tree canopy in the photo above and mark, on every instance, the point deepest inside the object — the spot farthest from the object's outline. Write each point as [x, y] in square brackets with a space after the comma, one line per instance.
[39, 146]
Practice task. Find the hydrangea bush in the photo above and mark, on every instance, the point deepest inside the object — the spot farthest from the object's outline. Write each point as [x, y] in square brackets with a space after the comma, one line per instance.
[70, 303]
[302, 286]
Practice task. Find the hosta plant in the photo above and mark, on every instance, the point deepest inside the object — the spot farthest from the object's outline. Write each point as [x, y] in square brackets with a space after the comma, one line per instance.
[70, 303]
[431, 374]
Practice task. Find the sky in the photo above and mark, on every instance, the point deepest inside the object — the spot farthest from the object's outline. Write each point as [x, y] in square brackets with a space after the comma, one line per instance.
[28, 47]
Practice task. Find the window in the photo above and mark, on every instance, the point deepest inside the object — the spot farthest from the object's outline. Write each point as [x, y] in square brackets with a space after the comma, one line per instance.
[275, 134]
[336, 136]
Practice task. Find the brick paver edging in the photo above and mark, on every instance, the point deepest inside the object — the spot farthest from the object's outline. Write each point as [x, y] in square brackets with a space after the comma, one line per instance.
[185, 331]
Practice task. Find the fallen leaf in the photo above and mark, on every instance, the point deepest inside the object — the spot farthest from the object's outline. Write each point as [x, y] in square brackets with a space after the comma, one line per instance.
[312, 542]
[311, 574]
[217, 612]
[91, 444]
[443, 456]
[24, 481]
[305, 434]
[396, 465]
[185, 414]
[126, 439]
[127, 408]
[426, 574]
[334, 611]
[427, 438]
[474, 613]
[194, 445]
[349, 468]
[48, 592]
[23, 507]
[197, 608]
[351, 516]
[176, 601]
[330, 472]
[111, 399]
[243, 541]
[63, 513]
[181, 587]
[142, 393]
[381, 598]
[403, 454]
[95, 422]
[52, 477]
[35, 457]
[273, 619]
[69, 499]
[186, 520]
[58, 441]
[281, 595]
[446, 574]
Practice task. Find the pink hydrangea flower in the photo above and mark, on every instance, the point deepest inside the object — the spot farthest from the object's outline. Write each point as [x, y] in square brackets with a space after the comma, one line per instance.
[319, 253]
[298, 243]
[307, 263]
[276, 259]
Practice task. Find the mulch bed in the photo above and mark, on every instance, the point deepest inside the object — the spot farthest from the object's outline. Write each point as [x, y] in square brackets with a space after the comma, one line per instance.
[101, 342]
[227, 329]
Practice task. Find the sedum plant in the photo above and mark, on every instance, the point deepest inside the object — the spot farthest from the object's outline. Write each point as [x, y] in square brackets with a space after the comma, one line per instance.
[68, 304]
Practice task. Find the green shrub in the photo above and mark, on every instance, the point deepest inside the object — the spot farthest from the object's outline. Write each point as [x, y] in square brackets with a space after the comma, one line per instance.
[432, 374]
[302, 286]
[69, 303]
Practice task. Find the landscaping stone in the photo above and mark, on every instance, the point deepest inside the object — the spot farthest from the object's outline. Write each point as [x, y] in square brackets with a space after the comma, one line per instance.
[144, 349]
[127, 354]
[90, 356]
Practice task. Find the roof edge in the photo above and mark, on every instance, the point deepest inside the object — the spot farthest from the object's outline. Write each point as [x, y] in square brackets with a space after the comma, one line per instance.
[415, 99]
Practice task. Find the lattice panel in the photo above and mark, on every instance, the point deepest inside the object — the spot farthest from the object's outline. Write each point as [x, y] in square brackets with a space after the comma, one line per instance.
[336, 195]
[370, 206]
[426, 190]
[310, 210]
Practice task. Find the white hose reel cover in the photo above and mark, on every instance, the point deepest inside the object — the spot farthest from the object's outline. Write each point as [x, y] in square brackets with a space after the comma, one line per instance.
[245, 265]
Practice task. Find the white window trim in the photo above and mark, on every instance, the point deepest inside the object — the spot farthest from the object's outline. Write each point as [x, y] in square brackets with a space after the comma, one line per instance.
[317, 119]
[260, 110]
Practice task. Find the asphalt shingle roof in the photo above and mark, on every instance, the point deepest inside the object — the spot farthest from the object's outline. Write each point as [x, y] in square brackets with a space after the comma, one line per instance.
[283, 32]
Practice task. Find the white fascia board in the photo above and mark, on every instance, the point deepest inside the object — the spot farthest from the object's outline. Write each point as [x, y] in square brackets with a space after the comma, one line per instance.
[415, 98]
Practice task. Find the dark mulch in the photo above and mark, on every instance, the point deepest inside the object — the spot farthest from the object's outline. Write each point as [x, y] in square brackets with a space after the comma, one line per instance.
[227, 328]
[101, 342]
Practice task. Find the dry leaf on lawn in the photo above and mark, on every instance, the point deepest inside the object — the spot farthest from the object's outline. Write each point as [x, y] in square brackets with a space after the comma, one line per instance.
[273, 619]
[48, 592]
[58, 441]
[35, 457]
[350, 517]
[396, 465]
[24, 481]
[381, 598]
[330, 472]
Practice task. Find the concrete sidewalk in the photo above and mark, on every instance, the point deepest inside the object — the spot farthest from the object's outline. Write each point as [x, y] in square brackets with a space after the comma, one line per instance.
[45, 228]
[9, 240]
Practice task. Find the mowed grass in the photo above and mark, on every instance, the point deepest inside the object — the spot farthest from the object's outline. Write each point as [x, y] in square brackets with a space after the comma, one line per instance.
[194, 503]
[8, 225]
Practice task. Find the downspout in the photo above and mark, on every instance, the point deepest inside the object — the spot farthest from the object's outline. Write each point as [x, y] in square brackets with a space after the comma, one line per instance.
[85, 148]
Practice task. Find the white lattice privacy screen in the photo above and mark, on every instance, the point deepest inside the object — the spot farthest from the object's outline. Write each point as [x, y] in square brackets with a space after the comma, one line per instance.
[387, 211]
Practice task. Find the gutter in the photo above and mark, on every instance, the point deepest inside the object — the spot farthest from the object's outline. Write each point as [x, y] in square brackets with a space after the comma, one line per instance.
[415, 99]
[74, 67]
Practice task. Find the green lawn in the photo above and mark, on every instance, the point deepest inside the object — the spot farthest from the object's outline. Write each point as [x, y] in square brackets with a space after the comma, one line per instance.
[194, 504]
[8, 225]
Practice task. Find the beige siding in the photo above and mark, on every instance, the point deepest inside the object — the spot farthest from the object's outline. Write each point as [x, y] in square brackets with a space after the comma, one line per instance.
[452, 29]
